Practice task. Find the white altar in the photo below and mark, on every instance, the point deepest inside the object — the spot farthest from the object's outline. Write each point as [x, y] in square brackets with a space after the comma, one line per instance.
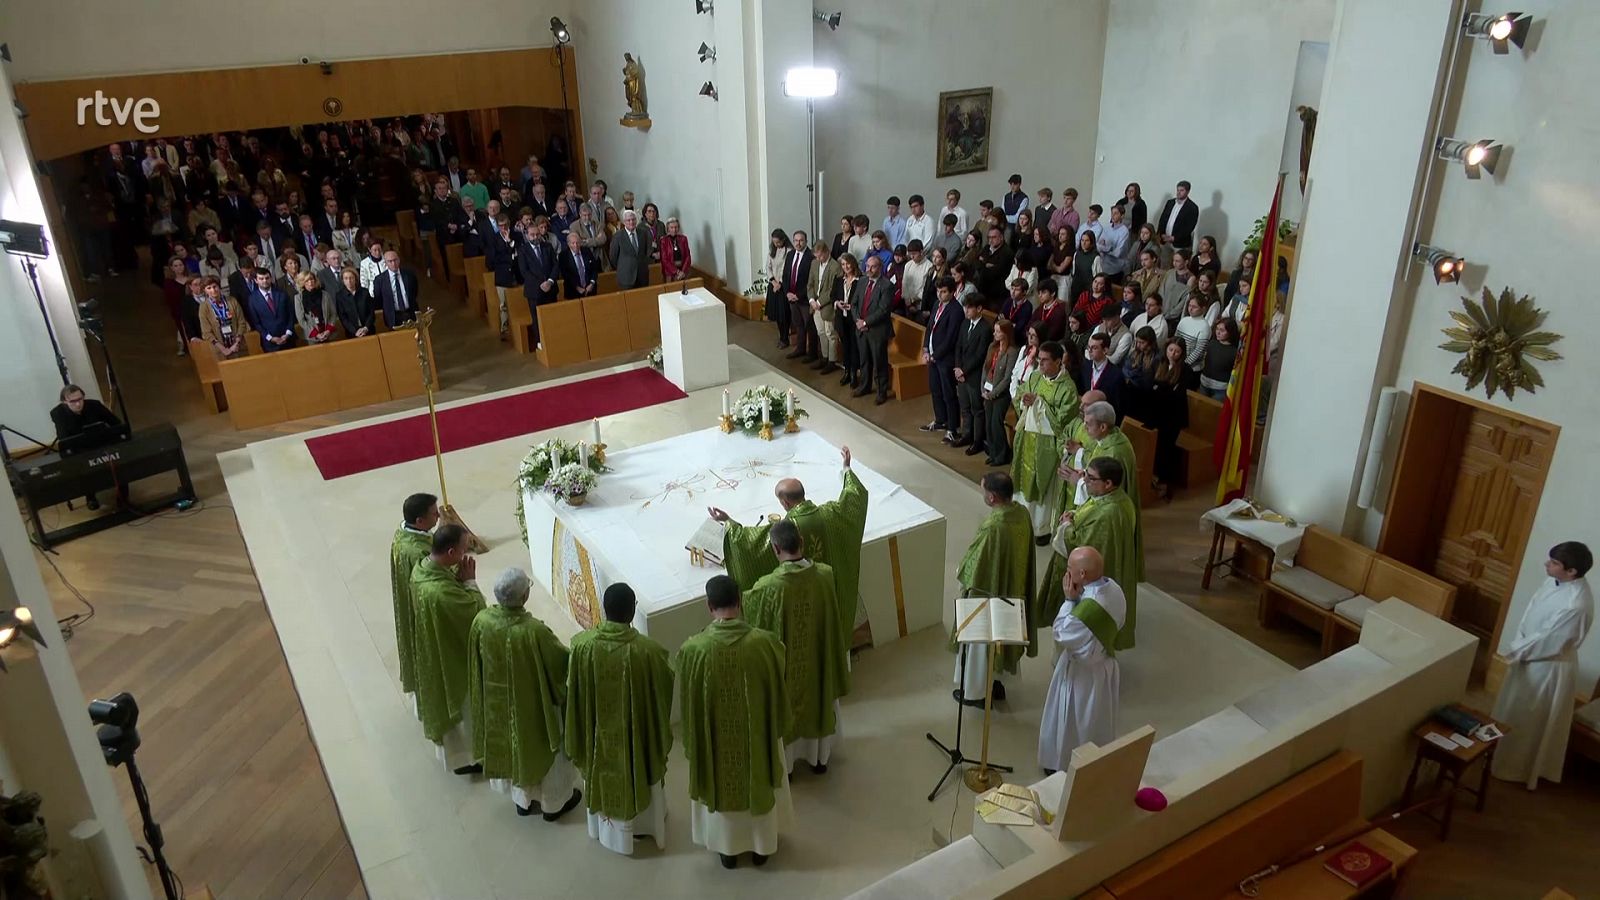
[694, 339]
[635, 523]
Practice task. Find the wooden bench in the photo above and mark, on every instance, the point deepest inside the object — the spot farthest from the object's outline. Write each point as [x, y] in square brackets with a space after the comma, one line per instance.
[908, 374]
[267, 388]
[1143, 441]
[458, 270]
[563, 339]
[1585, 740]
[481, 297]
[205, 369]
[1335, 580]
[1197, 440]
[606, 282]
[520, 315]
[405, 223]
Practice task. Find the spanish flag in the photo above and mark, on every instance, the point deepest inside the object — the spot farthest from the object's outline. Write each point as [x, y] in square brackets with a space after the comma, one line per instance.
[1234, 448]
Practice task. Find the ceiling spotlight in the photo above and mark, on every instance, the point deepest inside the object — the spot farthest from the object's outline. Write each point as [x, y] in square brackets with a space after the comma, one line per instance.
[1500, 31]
[701, 7]
[809, 83]
[707, 52]
[558, 28]
[829, 19]
[327, 67]
[1446, 266]
[17, 620]
[1476, 157]
[708, 90]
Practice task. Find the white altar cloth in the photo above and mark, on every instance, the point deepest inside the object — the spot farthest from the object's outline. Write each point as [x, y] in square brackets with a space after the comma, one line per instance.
[634, 525]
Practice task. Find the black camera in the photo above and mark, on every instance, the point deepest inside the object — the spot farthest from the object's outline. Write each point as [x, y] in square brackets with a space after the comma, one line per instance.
[118, 733]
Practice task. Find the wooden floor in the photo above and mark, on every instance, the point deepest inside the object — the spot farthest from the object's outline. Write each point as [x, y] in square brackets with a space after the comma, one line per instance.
[236, 782]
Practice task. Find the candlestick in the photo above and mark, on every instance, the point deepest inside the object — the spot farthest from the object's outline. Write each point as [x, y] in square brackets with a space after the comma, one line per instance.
[727, 408]
[788, 408]
[583, 454]
[766, 411]
[555, 460]
[596, 431]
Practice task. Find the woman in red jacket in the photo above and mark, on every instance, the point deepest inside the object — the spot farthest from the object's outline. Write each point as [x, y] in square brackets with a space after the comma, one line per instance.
[674, 253]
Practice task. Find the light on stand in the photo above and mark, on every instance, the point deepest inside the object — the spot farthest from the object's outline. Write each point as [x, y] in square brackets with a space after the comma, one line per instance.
[27, 240]
[1476, 157]
[1446, 266]
[1501, 31]
[810, 83]
[18, 621]
[558, 28]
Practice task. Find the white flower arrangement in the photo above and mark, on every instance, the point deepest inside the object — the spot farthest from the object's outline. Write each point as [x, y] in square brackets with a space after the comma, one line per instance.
[534, 472]
[570, 481]
[759, 287]
[747, 409]
[654, 358]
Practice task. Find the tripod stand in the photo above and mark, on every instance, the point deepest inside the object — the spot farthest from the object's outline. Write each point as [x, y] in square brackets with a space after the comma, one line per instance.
[170, 885]
[956, 757]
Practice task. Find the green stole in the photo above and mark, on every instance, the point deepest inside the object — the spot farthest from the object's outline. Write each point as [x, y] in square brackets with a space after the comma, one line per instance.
[516, 688]
[1099, 623]
[619, 717]
[1000, 563]
[735, 714]
[408, 548]
[442, 612]
[797, 603]
[1110, 524]
[832, 533]
[1115, 445]
[1036, 456]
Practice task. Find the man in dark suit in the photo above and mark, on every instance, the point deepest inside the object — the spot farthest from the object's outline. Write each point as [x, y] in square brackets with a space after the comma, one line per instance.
[939, 352]
[875, 329]
[474, 227]
[580, 271]
[535, 198]
[1100, 373]
[500, 256]
[241, 282]
[1178, 219]
[630, 253]
[971, 348]
[796, 275]
[396, 291]
[536, 263]
[994, 264]
[231, 211]
[284, 223]
[271, 310]
[327, 221]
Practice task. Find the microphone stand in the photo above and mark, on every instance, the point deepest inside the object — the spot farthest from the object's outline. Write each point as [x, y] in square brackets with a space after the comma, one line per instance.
[5, 452]
[111, 375]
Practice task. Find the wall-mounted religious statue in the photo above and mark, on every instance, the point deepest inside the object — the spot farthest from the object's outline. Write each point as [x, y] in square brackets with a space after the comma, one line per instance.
[1308, 133]
[637, 116]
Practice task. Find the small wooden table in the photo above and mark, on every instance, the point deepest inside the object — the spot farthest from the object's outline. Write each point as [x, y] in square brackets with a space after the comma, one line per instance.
[1308, 880]
[1257, 542]
[1452, 764]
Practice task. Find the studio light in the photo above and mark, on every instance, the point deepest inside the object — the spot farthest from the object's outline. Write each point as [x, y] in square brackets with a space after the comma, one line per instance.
[829, 19]
[23, 239]
[701, 7]
[1476, 157]
[1446, 266]
[18, 621]
[708, 53]
[1501, 31]
[708, 90]
[559, 29]
[808, 83]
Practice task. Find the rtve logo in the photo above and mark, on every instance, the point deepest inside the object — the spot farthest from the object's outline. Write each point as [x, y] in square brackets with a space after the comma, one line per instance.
[143, 111]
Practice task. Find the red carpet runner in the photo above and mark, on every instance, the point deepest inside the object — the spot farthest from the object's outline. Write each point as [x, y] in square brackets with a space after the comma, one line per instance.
[402, 440]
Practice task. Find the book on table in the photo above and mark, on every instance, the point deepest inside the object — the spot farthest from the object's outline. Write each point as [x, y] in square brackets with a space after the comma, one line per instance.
[990, 620]
[707, 541]
[1357, 865]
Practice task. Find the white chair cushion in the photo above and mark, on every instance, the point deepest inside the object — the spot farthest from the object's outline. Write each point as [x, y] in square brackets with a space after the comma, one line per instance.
[1311, 586]
[1354, 609]
[1589, 715]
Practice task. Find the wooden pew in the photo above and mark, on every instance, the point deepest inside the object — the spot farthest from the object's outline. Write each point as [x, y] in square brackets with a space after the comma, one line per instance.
[205, 369]
[458, 271]
[1143, 441]
[563, 339]
[606, 282]
[1198, 438]
[405, 222]
[481, 299]
[605, 321]
[267, 388]
[489, 293]
[254, 398]
[520, 315]
[401, 368]
[908, 374]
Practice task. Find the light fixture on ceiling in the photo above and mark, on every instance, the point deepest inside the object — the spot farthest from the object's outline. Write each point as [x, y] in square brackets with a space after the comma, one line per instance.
[829, 19]
[1476, 157]
[708, 90]
[809, 83]
[708, 53]
[1501, 31]
[702, 7]
[1446, 266]
[558, 28]
[18, 621]
[327, 67]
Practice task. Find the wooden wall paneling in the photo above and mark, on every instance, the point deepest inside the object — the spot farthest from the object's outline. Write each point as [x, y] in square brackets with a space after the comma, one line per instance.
[562, 337]
[605, 321]
[359, 375]
[252, 385]
[306, 378]
[1424, 468]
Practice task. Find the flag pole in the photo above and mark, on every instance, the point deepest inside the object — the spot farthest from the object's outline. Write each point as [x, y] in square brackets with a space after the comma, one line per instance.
[447, 513]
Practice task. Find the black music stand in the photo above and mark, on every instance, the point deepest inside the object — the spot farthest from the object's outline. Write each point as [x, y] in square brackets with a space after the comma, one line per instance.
[954, 754]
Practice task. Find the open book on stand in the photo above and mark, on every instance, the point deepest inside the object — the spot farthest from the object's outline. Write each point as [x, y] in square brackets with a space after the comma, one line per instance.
[705, 545]
[990, 620]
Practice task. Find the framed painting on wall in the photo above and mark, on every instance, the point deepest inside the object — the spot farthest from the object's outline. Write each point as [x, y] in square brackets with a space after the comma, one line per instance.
[966, 119]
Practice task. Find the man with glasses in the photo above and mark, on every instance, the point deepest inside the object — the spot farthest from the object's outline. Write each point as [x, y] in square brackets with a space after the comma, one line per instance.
[1109, 522]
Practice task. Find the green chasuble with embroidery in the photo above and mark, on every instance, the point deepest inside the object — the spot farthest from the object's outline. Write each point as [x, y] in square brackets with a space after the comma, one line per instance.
[517, 685]
[409, 548]
[1036, 455]
[999, 563]
[797, 603]
[735, 713]
[1110, 524]
[832, 532]
[619, 717]
[1114, 445]
[442, 611]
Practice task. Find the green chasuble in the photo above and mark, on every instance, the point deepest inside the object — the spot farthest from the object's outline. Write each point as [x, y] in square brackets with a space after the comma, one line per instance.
[832, 533]
[1114, 445]
[442, 611]
[517, 685]
[1036, 456]
[797, 603]
[1110, 524]
[735, 714]
[619, 717]
[999, 563]
[408, 549]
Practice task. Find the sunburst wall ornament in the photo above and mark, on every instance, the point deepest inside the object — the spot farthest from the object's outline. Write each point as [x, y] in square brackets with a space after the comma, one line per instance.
[1497, 340]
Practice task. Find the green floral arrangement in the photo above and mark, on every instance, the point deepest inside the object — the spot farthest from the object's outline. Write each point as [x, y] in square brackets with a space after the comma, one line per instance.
[23, 845]
[654, 358]
[570, 481]
[747, 409]
[759, 287]
[536, 467]
[1286, 230]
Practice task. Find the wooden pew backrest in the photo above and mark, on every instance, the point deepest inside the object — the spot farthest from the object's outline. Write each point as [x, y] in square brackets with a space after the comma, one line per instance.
[1335, 558]
[1391, 578]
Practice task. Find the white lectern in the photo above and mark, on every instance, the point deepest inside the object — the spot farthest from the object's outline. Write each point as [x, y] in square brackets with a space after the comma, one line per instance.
[694, 339]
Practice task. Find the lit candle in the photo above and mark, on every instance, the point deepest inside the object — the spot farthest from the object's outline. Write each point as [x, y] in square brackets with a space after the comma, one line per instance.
[727, 408]
[788, 408]
[583, 454]
[596, 431]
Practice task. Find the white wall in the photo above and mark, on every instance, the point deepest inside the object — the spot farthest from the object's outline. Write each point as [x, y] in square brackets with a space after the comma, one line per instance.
[1200, 93]
[80, 38]
[877, 138]
[1309, 72]
[1532, 228]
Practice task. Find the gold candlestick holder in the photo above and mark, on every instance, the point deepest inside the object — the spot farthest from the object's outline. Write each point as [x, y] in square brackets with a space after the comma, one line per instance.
[726, 424]
[598, 453]
[766, 431]
[791, 426]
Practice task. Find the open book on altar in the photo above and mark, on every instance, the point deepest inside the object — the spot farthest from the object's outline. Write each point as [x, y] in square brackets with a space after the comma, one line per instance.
[989, 620]
[705, 545]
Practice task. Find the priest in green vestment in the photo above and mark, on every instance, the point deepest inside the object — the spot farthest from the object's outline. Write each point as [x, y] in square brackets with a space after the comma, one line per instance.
[619, 725]
[735, 710]
[1100, 437]
[1046, 405]
[517, 691]
[832, 533]
[1075, 452]
[445, 599]
[1109, 522]
[797, 603]
[412, 541]
[998, 563]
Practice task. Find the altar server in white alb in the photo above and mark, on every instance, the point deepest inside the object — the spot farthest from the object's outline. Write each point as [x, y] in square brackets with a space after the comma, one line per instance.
[1535, 700]
[1081, 704]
